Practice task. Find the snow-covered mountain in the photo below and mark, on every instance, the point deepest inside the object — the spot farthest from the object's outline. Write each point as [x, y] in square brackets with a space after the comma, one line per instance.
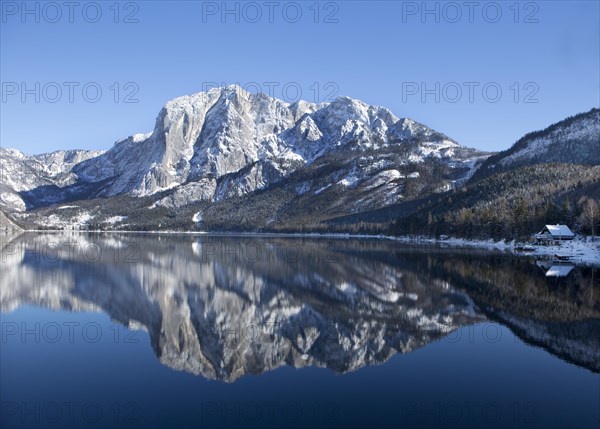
[20, 174]
[209, 135]
[227, 143]
[575, 140]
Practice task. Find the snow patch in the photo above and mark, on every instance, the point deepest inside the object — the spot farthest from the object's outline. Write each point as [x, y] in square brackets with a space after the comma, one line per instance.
[317, 192]
[115, 219]
[13, 201]
[140, 137]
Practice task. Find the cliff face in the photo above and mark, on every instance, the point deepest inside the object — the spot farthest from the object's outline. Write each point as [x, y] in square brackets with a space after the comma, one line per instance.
[227, 144]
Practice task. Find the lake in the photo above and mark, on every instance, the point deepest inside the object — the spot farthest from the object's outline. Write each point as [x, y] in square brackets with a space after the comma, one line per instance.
[147, 330]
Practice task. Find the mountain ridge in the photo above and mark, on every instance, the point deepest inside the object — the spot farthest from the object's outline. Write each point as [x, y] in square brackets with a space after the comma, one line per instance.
[227, 159]
[543, 145]
[224, 130]
[227, 143]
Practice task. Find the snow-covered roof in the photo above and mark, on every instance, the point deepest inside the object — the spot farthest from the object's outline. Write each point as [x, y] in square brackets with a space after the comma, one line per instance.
[559, 230]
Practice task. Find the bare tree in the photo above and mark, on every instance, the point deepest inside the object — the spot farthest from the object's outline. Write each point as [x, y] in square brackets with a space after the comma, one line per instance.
[589, 215]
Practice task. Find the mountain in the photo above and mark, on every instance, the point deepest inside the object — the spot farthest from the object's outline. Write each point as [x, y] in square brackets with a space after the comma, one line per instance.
[225, 145]
[573, 140]
[547, 177]
[7, 225]
[20, 174]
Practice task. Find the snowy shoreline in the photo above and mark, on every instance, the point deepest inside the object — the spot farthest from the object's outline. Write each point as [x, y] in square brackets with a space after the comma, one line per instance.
[578, 251]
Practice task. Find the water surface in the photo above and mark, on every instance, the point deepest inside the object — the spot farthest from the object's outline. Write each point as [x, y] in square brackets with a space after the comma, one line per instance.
[114, 330]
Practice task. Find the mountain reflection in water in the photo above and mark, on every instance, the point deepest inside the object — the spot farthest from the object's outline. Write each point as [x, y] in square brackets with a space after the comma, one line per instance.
[222, 306]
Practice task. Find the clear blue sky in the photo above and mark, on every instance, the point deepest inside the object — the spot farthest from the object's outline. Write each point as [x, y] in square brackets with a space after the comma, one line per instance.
[379, 52]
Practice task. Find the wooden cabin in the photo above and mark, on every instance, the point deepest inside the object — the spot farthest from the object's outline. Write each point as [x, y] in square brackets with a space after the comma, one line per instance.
[555, 233]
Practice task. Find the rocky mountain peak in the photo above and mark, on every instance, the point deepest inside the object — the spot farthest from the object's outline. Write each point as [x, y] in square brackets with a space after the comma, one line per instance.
[228, 143]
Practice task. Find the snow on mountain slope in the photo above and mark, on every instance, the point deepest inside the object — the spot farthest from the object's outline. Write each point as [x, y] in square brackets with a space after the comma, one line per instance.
[575, 140]
[20, 173]
[219, 144]
[7, 225]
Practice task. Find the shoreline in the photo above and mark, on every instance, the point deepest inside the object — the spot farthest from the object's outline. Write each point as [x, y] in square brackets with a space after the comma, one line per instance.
[579, 252]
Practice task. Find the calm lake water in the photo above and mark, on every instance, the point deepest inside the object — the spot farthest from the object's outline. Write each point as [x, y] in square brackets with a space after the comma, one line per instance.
[114, 330]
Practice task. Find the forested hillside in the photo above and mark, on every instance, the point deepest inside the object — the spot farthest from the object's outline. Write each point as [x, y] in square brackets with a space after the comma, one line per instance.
[513, 204]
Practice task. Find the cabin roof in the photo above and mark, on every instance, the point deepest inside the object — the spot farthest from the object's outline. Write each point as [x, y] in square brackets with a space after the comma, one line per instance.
[562, 230]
